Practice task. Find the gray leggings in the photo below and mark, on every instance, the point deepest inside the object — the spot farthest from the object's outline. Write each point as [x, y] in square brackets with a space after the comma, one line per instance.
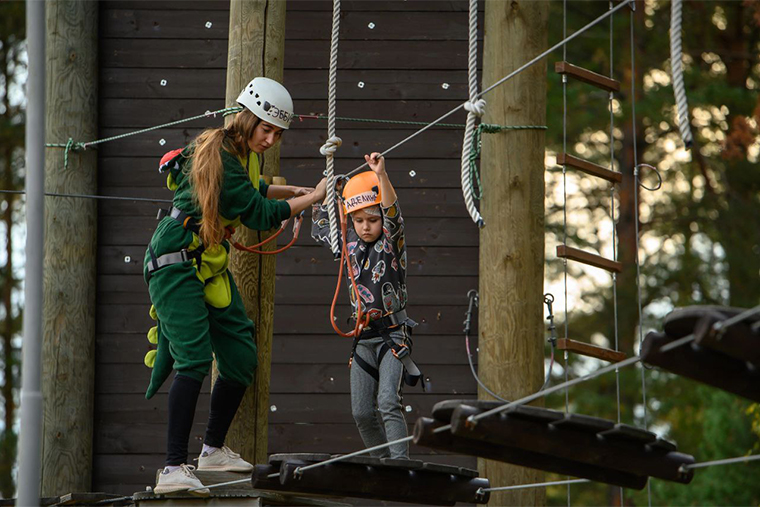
[376, 406]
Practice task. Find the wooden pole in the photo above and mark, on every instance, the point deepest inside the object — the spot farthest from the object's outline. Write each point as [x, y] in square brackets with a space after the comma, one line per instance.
[68, 350]
[511, 335]
[256, 47]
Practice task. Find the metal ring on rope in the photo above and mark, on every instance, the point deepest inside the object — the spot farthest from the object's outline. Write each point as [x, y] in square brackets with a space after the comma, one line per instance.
[659, 177]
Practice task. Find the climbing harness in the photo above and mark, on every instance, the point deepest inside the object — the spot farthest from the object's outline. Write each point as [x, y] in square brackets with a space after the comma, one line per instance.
[183, 255]
[191, 225]
[360, 192]
[401, 351]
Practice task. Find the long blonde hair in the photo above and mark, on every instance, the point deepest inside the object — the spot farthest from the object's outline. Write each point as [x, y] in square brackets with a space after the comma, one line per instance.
[207, 170]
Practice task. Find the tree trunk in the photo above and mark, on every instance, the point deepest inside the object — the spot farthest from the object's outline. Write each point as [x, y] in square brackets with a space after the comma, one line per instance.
[256, 47]
[512, 242]
[70, 249]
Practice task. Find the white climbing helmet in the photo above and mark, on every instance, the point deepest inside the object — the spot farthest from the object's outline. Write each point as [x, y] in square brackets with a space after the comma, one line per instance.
[269, 100]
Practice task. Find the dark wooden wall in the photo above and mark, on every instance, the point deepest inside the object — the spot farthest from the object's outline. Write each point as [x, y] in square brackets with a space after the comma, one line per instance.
[414, 48]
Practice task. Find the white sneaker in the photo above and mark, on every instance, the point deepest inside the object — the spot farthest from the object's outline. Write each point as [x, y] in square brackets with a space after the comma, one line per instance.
[181, 479]
[223, 460]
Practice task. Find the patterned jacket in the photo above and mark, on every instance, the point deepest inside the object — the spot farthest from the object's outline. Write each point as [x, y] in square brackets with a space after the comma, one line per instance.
[379, 267]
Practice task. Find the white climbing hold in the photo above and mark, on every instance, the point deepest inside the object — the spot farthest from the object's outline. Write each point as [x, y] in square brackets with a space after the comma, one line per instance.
[478, 108]
[445, 86]
[163, 82]
[209, 24]
[412, 173]
[360, 84]
[408, 408]
[273, 408]
[127, 259]
[162, 142]
[331, 146]
[371, 26]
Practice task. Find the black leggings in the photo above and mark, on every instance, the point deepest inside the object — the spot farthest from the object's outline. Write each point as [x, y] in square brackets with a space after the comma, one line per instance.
[183, 397]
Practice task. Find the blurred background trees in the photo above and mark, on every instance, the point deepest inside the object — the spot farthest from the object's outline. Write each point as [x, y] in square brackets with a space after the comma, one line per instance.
[12, 78]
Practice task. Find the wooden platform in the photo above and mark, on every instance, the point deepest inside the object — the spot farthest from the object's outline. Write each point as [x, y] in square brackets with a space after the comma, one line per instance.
[578, 445]
[377, 479]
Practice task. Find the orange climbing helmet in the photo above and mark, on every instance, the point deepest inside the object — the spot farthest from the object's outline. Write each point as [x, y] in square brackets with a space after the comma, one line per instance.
[362, 191]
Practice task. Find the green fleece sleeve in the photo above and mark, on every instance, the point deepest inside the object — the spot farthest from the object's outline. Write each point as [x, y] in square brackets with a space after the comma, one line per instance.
[240, 199]
[263, 188]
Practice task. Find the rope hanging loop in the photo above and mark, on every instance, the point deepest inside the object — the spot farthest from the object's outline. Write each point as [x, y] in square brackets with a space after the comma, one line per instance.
[476, 108]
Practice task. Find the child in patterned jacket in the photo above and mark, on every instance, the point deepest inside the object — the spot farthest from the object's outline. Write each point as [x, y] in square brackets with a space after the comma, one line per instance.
[376, 250]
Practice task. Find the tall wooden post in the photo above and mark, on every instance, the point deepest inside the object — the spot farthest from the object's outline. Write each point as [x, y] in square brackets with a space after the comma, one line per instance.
[512, 242]
[256, 47]
[68, 352]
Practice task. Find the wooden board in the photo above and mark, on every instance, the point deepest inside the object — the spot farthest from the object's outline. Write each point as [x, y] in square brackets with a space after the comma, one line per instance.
[298, 143]
[289, 408]
[303, 84]
[302, 5]
[432, 321]
[142, 172]
[141, 113]
[589, 258]
[289, 378]
[295, 349]
[587, 76]
[589, 350]
[589, 168]
[302, 25]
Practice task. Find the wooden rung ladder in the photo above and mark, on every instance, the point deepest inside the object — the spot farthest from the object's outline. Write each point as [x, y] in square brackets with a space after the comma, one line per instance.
[589, 168]
[598, 261]
[587, 76]
[587, 349]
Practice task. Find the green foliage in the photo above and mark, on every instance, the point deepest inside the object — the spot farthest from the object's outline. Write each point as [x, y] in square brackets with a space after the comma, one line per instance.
[698, 234]
[12, 75]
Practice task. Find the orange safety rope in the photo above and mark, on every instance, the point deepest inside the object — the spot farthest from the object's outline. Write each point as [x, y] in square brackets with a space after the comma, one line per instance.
[361, 321]
[255, 248]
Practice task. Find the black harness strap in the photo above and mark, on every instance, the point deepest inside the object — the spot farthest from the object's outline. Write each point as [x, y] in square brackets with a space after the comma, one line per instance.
[382, 327]
[183, 255]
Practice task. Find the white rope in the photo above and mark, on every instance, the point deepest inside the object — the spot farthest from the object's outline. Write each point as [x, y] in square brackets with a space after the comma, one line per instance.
[503, 80]
[475, 107]
[676, 69]
[329, 148]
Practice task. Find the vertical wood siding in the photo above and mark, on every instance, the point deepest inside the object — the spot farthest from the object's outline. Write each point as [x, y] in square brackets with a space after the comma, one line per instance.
[165, 60]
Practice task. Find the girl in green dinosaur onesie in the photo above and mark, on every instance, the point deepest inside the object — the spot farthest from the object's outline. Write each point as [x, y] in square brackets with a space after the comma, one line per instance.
[198, 310]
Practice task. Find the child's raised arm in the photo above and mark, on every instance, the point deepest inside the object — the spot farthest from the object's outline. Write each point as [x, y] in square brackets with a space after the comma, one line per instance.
[376, 162]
